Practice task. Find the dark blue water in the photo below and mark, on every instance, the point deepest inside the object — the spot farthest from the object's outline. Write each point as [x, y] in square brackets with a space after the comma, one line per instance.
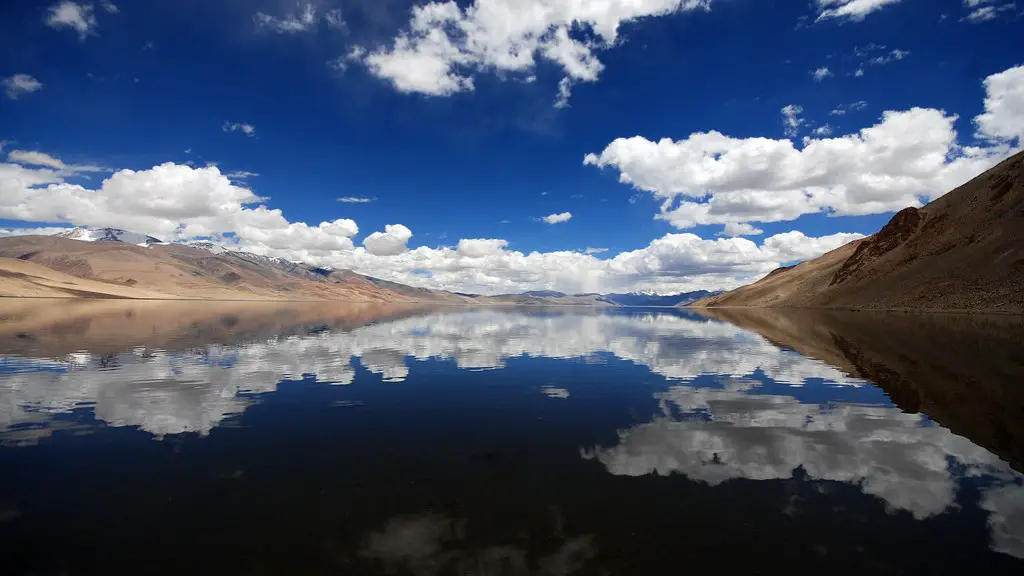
[269, 439]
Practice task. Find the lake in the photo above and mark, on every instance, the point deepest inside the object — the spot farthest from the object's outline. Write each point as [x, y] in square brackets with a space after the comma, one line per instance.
[289, 438]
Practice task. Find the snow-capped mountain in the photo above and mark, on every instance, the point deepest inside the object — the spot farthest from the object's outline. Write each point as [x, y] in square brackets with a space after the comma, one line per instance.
[108, 235]
[208, 246]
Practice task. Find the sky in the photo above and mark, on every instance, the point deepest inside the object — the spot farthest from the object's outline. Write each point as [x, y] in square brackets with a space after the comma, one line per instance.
[497, 146]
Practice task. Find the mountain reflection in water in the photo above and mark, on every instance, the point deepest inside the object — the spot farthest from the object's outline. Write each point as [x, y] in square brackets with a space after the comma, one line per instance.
[426, 440]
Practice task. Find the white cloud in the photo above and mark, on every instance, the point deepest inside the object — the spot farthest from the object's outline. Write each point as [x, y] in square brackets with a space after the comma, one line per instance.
[170, 202]
[179, 202]
[78, 17]
[241, 175]
[986, 13]
[711, 178]
[300, 21]
[355, 199]
[820, 74]
[244, 128]
[109, 6]
[1003, 118]
[673, 263]
[480, 247]
[824, 130]
[390, 242]
[34, 158]
[791, 119]
[335, 20]
[741, 229]
[589, 250]
[893, 56]
[20, 84]
[444, 45]
[854, 10]
[557, 218]
[564, 92]
[841, 110]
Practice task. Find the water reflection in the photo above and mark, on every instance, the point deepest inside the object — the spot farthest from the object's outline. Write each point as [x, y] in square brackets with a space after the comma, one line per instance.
[434, 544]
[193, 390]
[449, 406]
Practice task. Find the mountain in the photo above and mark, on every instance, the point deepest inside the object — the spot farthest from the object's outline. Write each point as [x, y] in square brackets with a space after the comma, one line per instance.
[208, 246]
[29, 280]
[112, 263]
[963, 251]
[181, 271]
[642, 299]
[108, 235]
[545, 294]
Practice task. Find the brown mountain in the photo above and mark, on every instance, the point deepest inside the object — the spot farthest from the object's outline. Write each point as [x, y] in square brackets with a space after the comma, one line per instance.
[117, 269]
[964, 251]
[62, 266]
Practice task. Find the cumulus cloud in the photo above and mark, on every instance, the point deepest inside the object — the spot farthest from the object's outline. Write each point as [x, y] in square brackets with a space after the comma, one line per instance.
[444, 45]
[244, 128]
[820, 74]
[20, 84]
[907, 157]
[300, 21]
[480, 247]
[854, 10]
[673, 263]
[78, 17]
[390, 242]
[557, 218]
[1003, 118]
[178, 202]
[170, 202]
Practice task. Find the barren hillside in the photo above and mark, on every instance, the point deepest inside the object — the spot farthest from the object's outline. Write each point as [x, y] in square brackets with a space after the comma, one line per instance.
[179, 271]
[964, 251]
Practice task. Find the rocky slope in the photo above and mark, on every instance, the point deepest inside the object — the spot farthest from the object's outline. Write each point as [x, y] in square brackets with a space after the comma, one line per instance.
[964, 251]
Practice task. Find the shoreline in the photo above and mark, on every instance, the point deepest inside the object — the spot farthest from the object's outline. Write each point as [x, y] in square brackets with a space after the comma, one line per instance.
[952, 311]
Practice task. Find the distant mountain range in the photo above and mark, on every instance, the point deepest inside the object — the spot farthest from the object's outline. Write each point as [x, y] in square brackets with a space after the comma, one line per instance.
[640, 299]
[963, 251]
[115, 263]
[108, 235]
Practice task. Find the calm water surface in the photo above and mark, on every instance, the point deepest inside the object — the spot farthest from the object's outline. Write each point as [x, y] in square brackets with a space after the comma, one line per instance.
[163, 438]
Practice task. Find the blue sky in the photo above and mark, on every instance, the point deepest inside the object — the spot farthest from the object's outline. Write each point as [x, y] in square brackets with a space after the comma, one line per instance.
[350, 99]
